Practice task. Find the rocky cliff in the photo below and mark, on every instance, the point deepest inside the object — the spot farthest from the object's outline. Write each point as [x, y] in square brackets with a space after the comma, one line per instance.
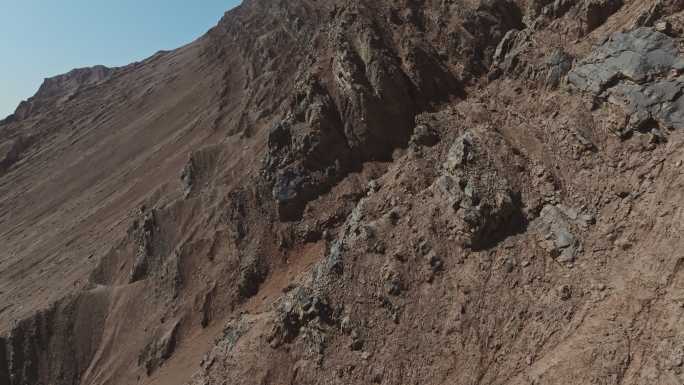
[353, 192]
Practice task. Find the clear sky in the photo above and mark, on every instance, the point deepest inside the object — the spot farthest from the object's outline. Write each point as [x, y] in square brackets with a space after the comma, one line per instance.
[43, 38]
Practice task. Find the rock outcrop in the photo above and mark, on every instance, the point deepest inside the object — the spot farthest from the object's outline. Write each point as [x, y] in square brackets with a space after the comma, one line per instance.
[640, 72]
[486, 207]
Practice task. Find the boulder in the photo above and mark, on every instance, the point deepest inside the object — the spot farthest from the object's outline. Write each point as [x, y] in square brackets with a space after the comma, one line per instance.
[555, 229]
[486, 207]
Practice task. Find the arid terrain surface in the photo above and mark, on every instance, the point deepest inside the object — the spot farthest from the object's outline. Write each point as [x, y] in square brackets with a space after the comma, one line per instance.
[357, 192]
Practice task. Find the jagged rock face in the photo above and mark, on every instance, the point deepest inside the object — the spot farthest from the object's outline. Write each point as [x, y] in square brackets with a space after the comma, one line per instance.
[510, 59]
[360, 105]
[596, 12]
[353, 192]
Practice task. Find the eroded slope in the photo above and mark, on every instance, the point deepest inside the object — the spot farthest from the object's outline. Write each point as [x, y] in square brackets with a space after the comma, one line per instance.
[355, 192]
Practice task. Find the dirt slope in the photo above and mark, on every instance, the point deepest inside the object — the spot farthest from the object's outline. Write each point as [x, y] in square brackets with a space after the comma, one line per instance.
[353, 192]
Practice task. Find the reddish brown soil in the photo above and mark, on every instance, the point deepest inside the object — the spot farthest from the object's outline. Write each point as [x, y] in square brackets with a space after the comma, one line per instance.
[285, 201]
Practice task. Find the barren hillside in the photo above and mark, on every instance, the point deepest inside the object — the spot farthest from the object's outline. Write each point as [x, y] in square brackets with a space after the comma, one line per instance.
[353, 192]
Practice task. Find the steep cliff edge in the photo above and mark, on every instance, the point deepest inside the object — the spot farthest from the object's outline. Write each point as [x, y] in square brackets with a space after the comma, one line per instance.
[343, 192]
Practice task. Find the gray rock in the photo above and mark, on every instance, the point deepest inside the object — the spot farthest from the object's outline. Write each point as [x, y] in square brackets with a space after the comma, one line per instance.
[460, 153]
[555, 229]
[558, 65]
[300, 307]
[505, 45]
[639, 71]
[637, 56]
[659, 103]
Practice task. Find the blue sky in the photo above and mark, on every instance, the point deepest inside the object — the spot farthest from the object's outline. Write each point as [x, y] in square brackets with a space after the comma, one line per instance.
[43, 38]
